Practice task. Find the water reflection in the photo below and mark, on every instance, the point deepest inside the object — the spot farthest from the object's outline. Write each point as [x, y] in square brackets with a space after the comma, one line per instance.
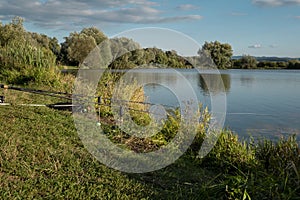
[154, 77]
[247, 80]
[264, 103]
[214, 83]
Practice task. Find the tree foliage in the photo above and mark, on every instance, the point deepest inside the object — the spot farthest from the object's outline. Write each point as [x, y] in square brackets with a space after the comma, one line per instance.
[26, 57]
[20, 48]
[78, 45]
[245, 62]
[150, 57]
[94, 33]
[47, 42]
[293, 64]
[13, 31]
[220, 53]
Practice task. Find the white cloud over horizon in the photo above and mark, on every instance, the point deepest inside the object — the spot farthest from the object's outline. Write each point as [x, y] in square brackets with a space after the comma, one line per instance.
[255, 46]
[274, 3]
[61, 14]
[187, 7]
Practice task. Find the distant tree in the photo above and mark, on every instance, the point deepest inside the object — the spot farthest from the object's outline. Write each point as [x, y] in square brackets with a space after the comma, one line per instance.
[282, 65]
[293, 64]
[40, 40]
[150, 56]
[220, 53]
[95, 33]
[54, 46]
[273, 65]
[78, 48]
[13, 32]
[78, 45]
[121, 46]
[245, 62]
[47, 42]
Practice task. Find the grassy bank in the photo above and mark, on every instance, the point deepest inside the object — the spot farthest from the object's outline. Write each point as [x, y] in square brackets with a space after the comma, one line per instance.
[42, 156]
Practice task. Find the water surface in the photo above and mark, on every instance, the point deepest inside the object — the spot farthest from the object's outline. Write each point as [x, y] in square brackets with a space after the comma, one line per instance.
[260, 103]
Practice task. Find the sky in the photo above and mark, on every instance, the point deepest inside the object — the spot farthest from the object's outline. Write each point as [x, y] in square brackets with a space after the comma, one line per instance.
[254, 27]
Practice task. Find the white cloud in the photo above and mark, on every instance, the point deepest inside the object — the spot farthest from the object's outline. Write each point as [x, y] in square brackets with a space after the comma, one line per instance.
[255, 46]
[188, 7]
[274, 3]
[61, 14]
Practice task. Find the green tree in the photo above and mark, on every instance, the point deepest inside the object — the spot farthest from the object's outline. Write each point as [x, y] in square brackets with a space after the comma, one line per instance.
[220, 53]
[13, 31]
[78, 45]
[293, 64]
[95, 33]
[40, 40]
[150, 56]
[20, 49]
[245, 62]
[54, 46]
[46, 42]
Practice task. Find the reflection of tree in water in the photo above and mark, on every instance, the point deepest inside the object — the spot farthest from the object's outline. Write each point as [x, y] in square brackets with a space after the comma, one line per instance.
[247, 81]
[154, 77]
[214, 83]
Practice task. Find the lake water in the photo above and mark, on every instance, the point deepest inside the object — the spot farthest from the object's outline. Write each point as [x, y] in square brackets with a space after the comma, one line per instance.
[260, 103]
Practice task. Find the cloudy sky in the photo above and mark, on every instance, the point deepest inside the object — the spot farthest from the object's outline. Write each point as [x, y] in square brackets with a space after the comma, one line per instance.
[256, 27]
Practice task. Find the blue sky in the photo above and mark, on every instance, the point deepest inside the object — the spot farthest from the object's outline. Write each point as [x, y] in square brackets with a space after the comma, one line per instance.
[255, 27]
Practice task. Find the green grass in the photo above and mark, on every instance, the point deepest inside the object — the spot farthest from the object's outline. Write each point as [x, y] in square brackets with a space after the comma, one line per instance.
[42, 157]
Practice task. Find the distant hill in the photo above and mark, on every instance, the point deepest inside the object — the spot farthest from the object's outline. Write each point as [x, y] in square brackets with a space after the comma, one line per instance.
[265, 58]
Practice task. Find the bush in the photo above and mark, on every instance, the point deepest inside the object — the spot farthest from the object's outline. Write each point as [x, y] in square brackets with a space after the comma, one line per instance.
[231, 154]
[17, 55]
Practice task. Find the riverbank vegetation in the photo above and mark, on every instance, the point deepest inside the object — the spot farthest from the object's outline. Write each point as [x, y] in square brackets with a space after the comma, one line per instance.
[20, 49]
[250, 62]
[42, 156]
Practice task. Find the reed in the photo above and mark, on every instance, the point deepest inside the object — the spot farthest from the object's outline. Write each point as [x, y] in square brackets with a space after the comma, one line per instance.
[16, 55]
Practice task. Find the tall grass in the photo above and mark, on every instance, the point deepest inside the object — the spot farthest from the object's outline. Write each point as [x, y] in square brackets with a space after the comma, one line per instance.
[22, 64]
[265, 170]
[16, 55]
[42, 157]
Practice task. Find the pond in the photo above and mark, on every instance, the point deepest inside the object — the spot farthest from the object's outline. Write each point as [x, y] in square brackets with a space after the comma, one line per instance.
[260, 103]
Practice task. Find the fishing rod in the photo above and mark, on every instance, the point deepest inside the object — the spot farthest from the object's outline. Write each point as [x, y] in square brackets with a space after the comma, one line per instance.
[68, 96]
[73, 96]
[39, 92]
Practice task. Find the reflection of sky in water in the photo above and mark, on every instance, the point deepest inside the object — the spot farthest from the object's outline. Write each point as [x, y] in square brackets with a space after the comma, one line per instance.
[263, 103]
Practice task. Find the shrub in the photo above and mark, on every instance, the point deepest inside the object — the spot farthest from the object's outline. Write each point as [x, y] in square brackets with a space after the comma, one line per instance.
[231, 154]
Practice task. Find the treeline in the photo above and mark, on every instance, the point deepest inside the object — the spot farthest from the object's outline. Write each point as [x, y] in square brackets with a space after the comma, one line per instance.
[27, 57]
[150, 57]
[250, 62]
[221, 54]
[20, 49]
